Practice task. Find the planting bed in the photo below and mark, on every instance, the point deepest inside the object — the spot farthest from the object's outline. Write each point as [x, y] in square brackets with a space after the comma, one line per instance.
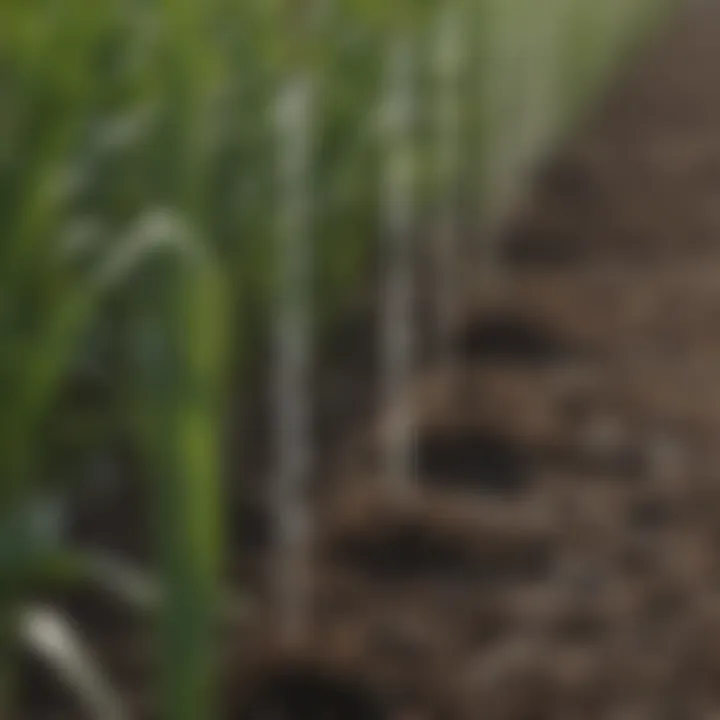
[561, 558]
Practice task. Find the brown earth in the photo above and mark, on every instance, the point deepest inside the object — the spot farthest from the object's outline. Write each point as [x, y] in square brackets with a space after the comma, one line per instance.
[561, 556]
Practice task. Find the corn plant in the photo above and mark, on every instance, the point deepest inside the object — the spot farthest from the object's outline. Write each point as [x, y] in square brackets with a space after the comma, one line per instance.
[178, 328]
[450, 56]
[398, 188]
[56, 276]
[45, 302]
[295, 135]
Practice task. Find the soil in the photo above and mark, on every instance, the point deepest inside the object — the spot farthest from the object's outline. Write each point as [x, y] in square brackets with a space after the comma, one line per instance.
[560, 556]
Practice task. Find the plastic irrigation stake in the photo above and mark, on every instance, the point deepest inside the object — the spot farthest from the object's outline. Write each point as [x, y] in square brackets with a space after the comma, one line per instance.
[397, 188]
[292, 353]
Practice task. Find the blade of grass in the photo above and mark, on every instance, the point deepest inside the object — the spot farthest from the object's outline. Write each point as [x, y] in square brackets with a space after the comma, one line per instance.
[177, 409]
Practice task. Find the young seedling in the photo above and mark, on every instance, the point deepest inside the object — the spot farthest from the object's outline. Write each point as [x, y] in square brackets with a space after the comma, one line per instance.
[292, 351]
[449, 57]
[398, 213]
